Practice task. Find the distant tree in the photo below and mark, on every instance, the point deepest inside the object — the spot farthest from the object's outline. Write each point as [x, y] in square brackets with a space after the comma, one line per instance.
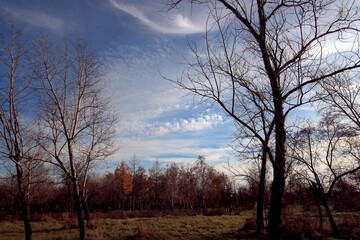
[140, 188]
[299, 192]
[9, 196]
[134, 165]
[326, 154]
[123, 181]
[109, 196]
[346, 195]
[279, 51]
[172, 185]
[155, 185]
[219, 191]
[187, 187]
[76, 121]
[202, 181]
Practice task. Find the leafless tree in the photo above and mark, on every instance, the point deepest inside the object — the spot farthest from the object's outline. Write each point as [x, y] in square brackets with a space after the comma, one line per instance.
[325, 154]
[172, 176]
[279, 50]
[134, 164]
[77, 123]
[16, 133]
[341, 98]
[155, 184]
[255, 147]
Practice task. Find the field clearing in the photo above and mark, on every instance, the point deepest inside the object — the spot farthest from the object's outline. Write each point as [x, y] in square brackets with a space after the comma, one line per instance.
[298, 225]
[169, 227]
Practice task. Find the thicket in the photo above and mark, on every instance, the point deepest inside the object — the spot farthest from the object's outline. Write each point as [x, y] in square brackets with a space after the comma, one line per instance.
[174, 189]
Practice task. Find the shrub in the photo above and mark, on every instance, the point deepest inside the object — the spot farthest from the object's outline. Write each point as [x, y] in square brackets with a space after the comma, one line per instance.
[214, 212]
[301, 228]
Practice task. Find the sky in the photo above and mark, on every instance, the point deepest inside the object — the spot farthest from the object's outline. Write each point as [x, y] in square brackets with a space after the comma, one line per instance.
[140, 45]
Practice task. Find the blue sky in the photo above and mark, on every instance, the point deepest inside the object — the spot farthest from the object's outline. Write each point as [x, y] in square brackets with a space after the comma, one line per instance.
[139, 42]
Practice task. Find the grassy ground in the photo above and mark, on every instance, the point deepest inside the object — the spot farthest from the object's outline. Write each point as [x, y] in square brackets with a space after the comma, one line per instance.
[297, 225]
[179, 227]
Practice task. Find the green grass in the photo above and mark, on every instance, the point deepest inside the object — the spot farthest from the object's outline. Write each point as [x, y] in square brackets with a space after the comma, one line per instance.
[172, 227]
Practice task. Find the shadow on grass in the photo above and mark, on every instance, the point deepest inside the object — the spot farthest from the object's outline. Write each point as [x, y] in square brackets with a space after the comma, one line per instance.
[240, 234]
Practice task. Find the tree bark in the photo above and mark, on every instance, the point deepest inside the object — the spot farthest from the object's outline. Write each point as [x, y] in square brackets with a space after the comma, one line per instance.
[333, 225]
[24, 205]
[278, 184]
[321, 218]
[79, 209]
[261, 194]
[27, 224]
[86, 209]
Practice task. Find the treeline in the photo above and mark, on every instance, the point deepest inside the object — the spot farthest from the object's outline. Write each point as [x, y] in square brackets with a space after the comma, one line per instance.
[132, 187]
[195, 188]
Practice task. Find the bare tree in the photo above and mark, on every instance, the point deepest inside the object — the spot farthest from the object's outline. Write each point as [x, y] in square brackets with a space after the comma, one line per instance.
[155, 184]
[16, 133]
[341, 98]
[172, 175]
[255, 147]
[202, 181]
[279, 50]
[77, 123]
[134, 164]
[326, 154]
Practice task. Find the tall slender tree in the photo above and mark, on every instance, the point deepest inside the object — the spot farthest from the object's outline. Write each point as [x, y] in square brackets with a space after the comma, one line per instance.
[278, 50]
[16, 133]
[76, 121]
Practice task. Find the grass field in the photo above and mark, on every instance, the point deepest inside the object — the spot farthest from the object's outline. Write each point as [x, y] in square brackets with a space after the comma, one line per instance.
[176, 227]
[297, 225]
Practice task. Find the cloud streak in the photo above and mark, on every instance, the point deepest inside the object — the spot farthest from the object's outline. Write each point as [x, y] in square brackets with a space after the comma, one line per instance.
[178, 24]
[156, 120]
[188, 125]
[35, 18]
[176, 150]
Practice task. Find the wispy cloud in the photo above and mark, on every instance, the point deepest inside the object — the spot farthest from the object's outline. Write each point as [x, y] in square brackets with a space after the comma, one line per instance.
[35, 18]
[176, 24]
[138, 91]
[176, 150]
[188, 125]
[156, 120]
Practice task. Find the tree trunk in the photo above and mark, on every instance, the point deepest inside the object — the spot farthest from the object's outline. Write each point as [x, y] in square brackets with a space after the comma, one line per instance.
[79, 209]
[333, 225]
[277, 192]
[260, 197]
[321, 218]
[278, 184]
[27, 224]
[24, 205]
[86, 209]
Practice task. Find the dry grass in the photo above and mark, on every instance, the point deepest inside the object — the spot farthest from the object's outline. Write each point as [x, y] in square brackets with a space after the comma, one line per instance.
[297, 225]
[306, 225]
[168, 227]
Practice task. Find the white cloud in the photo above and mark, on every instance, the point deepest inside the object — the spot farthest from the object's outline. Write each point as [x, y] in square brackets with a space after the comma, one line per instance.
[156, 120]
[136, 87]
[176, 150]
[35, 18]
[177, 24]
[188, 125]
